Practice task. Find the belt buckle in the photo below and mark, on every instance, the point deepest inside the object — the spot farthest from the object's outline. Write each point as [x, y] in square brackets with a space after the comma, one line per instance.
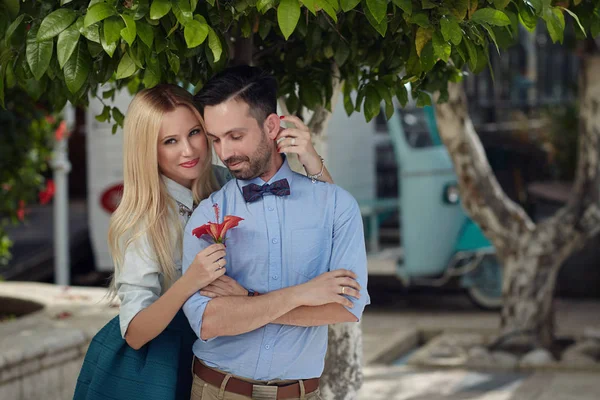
[264, 392]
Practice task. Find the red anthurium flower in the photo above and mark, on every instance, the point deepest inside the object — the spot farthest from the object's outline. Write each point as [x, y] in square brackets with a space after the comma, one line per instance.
[47, 194]
[217, 230]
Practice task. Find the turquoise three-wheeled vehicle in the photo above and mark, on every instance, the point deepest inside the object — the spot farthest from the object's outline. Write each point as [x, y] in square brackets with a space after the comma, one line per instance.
[440, 243]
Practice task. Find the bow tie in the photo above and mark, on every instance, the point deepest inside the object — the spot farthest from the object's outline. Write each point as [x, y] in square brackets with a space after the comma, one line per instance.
[253, 192]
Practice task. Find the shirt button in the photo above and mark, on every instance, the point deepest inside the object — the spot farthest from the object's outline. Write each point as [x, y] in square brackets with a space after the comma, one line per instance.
[271, 208]
[275, 277]
[274, 241]
[267, 347]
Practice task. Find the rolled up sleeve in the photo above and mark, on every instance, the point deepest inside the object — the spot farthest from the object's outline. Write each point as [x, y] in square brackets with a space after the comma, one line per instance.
[194, 307]
[348, 247]
[138, 284]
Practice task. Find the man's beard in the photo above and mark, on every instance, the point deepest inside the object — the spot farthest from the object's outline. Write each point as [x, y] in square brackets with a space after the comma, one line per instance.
[258, 161]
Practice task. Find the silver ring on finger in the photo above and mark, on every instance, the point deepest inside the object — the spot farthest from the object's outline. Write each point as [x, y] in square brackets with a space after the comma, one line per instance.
[293, 143]
[343, 289]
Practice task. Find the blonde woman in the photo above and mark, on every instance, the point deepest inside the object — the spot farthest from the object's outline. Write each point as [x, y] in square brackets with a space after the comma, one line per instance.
[146, 352]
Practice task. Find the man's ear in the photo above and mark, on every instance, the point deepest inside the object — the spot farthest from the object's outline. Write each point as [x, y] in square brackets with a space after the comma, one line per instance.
[272, 125]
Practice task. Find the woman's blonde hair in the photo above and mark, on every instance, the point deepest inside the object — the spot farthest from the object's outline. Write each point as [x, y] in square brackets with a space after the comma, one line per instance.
[146, 207]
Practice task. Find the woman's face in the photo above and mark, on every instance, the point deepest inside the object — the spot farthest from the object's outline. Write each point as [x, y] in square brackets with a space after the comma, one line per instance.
[182, 146]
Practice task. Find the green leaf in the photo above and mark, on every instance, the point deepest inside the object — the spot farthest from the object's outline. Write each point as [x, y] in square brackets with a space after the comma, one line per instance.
[472, 53]
[420, 19]
[404, 5]
[262, 6]
[378, 9]
[572, 14]
[492, 36]
[490, 16]
[38, 54]
[288, 14]
[55, 23]
[215, 44]
[328, 8]
[97, 13]
[129, 32]
[595, 28]
[422, 37]
[91, 33]
[105, 115]
[372, 105]
[451, 30]
[501, 4]
[264, 29]
[118, 116]
[126, 67]
[109, 48]
[111, 30]
[402, 94]
[77, 68]
[427, 58]
[383, 91]
[441, 48]
[527, 17]
[380, 27]
[555, 22]
[108, 94]
[67, 43]
[146, 33]
[195, 33]
[182, 11]
[428, 4]
[159, 9]
[459, 8]
[151, 73]
[13, 7]
[12, 28]
[173, 61]
[342, 52]
[348, 5]
[423, 99]
[348, 105]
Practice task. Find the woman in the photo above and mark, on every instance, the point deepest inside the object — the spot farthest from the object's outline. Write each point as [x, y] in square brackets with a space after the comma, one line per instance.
[146, 352]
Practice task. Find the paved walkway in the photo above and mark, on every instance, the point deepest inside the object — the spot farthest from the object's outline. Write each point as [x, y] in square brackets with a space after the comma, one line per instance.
[393, 318]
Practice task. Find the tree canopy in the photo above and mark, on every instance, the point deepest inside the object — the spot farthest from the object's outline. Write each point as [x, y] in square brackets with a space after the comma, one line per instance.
[64, 50]
[56, 51]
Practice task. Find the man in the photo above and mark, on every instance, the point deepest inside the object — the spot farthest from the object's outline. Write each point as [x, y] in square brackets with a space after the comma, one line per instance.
[295, 230]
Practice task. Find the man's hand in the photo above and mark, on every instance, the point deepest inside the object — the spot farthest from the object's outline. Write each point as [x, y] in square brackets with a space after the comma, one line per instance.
[224, 286]
[330, 287]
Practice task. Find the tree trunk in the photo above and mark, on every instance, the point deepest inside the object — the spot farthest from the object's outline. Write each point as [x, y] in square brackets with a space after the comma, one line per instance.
[530, 253]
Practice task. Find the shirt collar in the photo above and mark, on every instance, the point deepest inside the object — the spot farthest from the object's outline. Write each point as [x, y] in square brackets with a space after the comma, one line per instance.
[284, 172]
[179, 193]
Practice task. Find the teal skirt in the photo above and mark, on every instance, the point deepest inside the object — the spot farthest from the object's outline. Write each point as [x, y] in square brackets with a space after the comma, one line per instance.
[161, 370]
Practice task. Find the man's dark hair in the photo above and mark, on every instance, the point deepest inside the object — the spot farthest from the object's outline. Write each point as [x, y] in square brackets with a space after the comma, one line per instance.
[249, 84]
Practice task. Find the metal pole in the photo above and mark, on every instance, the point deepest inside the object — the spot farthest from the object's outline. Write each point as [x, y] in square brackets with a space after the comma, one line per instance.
[62, 167]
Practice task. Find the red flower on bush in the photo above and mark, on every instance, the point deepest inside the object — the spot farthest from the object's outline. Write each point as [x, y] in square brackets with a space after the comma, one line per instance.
[59, 134]
[217, 230]
[47, 194]
[21, 210]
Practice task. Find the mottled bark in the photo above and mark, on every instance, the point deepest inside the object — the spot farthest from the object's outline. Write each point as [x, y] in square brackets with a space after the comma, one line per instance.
[530, 253]
[343, 375]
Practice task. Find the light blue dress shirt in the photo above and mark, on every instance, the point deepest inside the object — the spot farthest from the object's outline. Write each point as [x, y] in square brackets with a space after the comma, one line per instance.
[283, 241]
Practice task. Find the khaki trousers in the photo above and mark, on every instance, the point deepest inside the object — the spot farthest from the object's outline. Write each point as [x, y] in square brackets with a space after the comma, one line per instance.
[202, 390]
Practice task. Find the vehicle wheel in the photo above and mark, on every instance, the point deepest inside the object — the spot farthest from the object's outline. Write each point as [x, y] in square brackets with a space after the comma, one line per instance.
[485, 289]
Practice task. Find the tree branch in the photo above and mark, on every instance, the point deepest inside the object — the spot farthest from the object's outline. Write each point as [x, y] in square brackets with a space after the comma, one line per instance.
[581, 211]
[500, 218]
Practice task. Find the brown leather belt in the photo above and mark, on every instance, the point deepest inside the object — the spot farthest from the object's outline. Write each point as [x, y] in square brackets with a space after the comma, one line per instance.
[234, 385]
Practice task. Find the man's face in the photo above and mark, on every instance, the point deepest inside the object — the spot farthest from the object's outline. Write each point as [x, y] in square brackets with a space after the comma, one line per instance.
[239, 141]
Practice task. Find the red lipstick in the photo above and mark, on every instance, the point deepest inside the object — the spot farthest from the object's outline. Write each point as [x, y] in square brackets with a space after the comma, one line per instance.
[190, 164]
